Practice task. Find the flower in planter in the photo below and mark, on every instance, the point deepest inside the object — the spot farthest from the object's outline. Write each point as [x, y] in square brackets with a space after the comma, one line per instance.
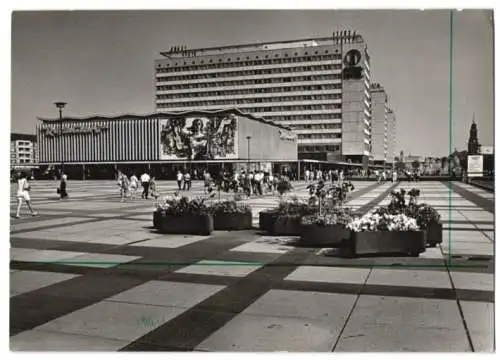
[229, 207]
[336, 217]
[283, 185]
[182, 206]
[424, 214]
[383, 222]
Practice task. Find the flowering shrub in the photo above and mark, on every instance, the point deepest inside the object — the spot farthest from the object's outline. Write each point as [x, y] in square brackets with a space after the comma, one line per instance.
[180, 206]
[293, 207]
[335, 217]
[283, 186]
[424, 214]
[229, 207]
[331, 197]
[385, 222]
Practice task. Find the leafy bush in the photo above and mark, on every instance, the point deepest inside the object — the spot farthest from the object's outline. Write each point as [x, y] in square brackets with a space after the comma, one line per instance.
[181, 206]
[293, 207]
[229, 207]
[424, 214]
[336, 217]
[284, 185]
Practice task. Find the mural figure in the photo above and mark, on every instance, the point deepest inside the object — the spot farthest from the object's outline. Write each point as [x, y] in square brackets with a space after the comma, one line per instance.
[200, 138]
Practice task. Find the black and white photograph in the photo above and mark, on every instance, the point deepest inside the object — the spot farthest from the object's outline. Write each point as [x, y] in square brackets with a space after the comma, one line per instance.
[252, 180]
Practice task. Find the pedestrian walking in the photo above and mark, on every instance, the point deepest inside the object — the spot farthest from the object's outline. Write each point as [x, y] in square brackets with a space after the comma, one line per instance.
[23, 189]
[153, 188]
[180, 177]
[145, 185]
[124, 185]
[187, 181]
[63, 186]
[206, 182]
[134, 184]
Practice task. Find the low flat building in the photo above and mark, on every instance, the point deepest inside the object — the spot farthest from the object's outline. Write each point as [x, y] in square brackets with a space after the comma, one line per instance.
[164, 142]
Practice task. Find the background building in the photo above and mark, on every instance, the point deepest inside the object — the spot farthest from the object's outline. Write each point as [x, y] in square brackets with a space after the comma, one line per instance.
[319, 87]
[380, 109]
[391, 137]
[23, 154]
[96, 147]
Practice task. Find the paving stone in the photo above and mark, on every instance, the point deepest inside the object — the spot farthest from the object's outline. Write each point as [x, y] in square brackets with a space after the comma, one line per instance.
[329, 274]
[37, 340]
[170, 241]
[25, 281]
[474, 281]
[166, 293]
[479, 317]
[219, 268]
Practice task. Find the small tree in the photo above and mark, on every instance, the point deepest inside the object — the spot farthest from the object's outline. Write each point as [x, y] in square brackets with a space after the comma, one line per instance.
[415, 164]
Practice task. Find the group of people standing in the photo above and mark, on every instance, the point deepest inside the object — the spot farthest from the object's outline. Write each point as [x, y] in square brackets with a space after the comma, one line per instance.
[330, 175]
[128, 186]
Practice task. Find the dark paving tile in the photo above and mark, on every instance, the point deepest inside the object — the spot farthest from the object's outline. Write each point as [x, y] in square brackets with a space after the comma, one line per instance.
[41, 244]
[406, 291]
[52, 267]
[475, 295]
[200, 279]
[334, 288]
[28, 311]
[185, 331]
[485, 204]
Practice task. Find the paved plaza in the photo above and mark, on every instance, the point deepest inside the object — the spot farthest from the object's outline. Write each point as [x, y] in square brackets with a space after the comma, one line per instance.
[90, 273]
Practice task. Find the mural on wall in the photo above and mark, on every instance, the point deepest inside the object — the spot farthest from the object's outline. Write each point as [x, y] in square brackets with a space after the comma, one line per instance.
[198, 138]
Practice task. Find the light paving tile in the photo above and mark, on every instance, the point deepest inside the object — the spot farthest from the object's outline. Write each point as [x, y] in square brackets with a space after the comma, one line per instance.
[219, 268]
[268, 244]
[26, 281]
[404, 324]
[412, 278]
[100, 260]
[329, 274]
[330, 308]
[479, 317]
[36, 340]
[432, 253]
[171, 241]
[268, 333]
[142, 217]
[113, 320]
[106, 215]
[35, 255]
[166, 293]
[472, 281]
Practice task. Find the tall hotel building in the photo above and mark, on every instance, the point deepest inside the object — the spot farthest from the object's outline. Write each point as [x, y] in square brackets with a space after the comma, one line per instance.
[318, 87]
[383, 126]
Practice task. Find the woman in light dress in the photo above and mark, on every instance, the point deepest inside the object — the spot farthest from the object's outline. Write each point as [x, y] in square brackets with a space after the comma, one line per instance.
[134, 184]
[23, 189]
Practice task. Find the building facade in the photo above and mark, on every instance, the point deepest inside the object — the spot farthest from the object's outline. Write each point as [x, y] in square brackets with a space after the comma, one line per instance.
[391, 137]
[318, 87]
[169, 140]
[380, 109]
[23, 154]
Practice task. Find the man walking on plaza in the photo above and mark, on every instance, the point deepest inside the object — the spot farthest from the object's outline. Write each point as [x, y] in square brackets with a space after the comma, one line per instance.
[187, 181]
[145, 185]
[179, 179]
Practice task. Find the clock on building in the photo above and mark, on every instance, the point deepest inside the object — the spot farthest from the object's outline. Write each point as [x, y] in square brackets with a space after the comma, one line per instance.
[352, 57]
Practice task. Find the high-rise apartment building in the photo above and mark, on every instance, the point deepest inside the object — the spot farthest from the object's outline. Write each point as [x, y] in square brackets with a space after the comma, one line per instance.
[391, 137]
[380, 109]
[22, 150]
[319, 87]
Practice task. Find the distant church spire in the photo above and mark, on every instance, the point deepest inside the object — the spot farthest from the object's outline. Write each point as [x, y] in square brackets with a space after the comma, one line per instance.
[473, 145]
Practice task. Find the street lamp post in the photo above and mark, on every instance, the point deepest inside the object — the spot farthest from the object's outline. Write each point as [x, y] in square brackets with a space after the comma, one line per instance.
[60, 105]
[248, 153]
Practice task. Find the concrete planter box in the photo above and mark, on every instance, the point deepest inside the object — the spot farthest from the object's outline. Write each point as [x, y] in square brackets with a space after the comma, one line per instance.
[186, 224]
[434, 234]
[156, 219]
[323, 235]
[233, 221]
[287, 225]
[410, 243]
[267, 220]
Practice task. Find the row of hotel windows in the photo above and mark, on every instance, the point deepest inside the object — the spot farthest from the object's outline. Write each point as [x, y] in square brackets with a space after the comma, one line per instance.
[239, 63]
[255, 110]
[252, 72]
[253, 82]
[315, 126]
[277, 89]
[304, 117]
[271, 99]
[320, 136]
[318, 148]
[257, 100]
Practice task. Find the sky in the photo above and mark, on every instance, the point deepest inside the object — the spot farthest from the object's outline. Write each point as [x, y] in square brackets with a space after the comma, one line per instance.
[103, 62]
